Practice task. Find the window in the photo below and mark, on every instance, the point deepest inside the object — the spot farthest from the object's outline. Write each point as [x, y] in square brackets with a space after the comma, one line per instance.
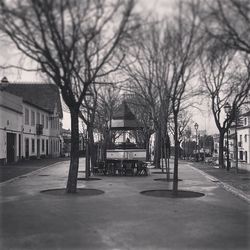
[32, 118]
[47, 121]
[33, 145]
[27, 118]
[42, 145]
[241, 155]
[43, 120]
[245, 121]
[240, 138]
[245, 138]
[38, 118]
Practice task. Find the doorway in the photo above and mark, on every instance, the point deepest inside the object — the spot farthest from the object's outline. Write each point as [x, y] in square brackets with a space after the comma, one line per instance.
[38, 148]
[27, 148]
[47, 147]
[19, 147]
[11, 139]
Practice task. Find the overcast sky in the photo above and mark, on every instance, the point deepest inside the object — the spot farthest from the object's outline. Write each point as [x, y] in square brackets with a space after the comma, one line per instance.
[9, 55]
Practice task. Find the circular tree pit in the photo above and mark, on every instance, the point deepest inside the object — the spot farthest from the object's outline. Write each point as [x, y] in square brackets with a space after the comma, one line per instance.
[165, 193]
[158, 172]
[165, 179]
[80, 192]
[89, 179]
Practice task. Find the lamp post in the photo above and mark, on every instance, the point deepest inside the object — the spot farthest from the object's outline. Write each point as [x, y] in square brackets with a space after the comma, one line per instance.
[87, 169]
[227, 109]
[196, 126]
[236, 141]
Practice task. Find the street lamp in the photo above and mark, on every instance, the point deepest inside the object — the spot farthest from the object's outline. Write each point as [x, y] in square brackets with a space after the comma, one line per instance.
[196, 126]
[227, 109]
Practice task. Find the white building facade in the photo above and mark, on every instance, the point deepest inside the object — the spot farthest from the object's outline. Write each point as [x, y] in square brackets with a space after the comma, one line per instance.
[29, 126]
[244, 139]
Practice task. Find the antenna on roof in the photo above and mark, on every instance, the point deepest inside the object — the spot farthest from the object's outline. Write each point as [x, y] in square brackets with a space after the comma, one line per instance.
[4, 80]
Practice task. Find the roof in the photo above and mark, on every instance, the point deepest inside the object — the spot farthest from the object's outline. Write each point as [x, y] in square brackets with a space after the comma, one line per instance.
[124, 119]
[124, 113]
[42, 95]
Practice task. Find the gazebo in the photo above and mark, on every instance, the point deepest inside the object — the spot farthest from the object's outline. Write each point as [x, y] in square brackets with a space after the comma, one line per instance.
[125, 156]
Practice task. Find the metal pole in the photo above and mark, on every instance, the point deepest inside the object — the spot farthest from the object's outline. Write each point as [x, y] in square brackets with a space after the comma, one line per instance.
[236, 144]
[196, 146]
[228, 166]
[87, 170]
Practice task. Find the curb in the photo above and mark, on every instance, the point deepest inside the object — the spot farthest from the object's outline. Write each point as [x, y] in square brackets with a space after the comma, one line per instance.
[29, 174]
[237, 192]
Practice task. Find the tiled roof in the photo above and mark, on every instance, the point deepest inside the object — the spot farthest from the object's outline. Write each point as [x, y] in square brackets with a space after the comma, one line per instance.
[41, 95]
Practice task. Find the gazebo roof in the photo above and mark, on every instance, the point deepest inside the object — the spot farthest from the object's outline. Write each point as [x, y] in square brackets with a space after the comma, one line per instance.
[123, 112]
[124, 119]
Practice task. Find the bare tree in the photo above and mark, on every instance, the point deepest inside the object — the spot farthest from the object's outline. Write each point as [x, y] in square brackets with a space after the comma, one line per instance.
[148, 72]
[224, 79]
[73, 44]
[185, 47]
[229, 22]
[140, 110]
[184, 120]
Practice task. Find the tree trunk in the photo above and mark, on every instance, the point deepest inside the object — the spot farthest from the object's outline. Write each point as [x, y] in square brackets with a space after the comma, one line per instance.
[147, 148]
[176, 154]
[74, 156]
[221, 149]
[92, 149]
[157, 149]
[166, 156]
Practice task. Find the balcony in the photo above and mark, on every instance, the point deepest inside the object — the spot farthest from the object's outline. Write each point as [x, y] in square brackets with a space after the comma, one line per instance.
[39, 129]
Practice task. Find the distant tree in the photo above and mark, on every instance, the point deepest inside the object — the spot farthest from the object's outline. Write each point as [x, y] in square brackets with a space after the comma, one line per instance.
[224, 79]
[73, 43]
[150, 75]
[140, 110]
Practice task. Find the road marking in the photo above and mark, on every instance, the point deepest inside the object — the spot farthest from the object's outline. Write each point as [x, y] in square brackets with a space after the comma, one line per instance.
[224, 185]
[29, 174]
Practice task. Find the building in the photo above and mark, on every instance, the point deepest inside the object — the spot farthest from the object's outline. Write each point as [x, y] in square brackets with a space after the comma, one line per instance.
[243, 142]
[243, 132]
[30, 117]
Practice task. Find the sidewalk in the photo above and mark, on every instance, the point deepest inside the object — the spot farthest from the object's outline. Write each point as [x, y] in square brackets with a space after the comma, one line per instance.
[121, 218]
[10, 171]
[239, 180]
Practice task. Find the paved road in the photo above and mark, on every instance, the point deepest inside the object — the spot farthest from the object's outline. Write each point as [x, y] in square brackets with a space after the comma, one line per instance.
[121, 218]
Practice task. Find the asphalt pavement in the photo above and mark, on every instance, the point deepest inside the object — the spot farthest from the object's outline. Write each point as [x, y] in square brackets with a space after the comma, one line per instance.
[121, 217]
